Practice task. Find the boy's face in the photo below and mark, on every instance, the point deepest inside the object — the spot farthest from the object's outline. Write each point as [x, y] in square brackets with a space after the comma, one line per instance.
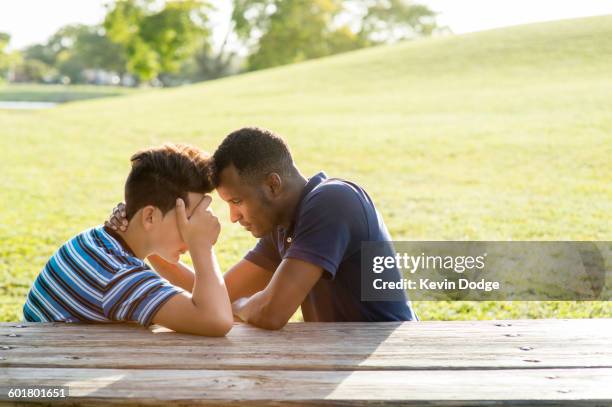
[164, 234]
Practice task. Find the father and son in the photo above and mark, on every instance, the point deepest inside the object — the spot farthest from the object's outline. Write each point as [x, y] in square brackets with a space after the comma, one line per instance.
[308, 254]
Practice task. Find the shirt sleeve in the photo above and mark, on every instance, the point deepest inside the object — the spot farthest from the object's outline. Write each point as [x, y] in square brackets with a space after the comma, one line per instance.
[136, 294]
[330, 227]
[265, 254]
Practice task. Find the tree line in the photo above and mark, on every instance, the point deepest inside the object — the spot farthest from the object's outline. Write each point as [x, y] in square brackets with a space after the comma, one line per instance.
[169, 43]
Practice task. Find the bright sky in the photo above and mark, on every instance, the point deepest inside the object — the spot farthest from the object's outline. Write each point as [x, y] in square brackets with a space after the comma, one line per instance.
[33, 21]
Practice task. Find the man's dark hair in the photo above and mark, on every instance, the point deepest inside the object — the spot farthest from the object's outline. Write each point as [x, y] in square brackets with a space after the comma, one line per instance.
[162, 174]
[255, 152]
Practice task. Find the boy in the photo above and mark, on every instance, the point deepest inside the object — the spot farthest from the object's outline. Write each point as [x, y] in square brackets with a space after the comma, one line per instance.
[100, 276]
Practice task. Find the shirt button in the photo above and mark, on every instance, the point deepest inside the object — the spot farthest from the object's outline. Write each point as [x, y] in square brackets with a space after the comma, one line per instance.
[289, 240]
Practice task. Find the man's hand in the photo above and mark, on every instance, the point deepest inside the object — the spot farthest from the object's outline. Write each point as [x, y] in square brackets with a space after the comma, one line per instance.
[117, 219]
[246, 279]
[237, 307]
[202, 228]
[272, 307]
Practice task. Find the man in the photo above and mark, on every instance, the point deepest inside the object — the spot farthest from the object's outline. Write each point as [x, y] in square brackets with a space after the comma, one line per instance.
[310, 233]
[100, 276]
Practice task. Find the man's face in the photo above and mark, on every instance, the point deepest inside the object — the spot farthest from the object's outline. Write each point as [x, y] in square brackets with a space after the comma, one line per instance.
[166, 237]
[250, 205]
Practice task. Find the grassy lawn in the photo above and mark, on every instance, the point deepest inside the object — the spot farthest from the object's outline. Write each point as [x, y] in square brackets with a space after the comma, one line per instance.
[500, 135]
[57, 93]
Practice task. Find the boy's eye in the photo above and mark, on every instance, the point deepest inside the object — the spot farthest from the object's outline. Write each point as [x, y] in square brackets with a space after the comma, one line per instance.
[235, 201]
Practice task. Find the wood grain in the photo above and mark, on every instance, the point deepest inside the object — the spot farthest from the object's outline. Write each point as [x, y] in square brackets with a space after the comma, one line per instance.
[551, 362]
[408, 387]
[349, 346]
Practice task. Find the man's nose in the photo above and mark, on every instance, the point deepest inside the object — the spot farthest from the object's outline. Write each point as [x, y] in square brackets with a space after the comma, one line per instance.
[235, 215]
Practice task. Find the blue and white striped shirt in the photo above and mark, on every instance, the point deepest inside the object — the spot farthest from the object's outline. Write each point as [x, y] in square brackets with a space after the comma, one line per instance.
[95, 277]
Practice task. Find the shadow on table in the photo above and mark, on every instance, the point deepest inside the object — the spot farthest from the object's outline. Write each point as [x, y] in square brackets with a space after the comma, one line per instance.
[303, 361]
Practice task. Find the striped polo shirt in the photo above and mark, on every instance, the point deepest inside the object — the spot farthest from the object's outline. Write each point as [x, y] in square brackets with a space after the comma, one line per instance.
[95, 277]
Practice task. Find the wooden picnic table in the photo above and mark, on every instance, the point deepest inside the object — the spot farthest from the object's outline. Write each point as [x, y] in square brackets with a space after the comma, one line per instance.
[553, 362]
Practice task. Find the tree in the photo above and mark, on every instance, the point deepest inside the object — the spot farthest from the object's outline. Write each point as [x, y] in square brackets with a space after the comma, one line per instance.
[155, 42]
[283, 32]
[9, 60]
[33, 70]
[40, 52]
[96, 50]
[301, 30]
[280, 32]
[71, 50]
[80, 47]
[394, 20]
[211, 64]
[4, 41]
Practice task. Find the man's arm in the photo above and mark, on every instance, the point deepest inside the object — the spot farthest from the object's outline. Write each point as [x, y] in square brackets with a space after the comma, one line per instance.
[272, 307]
[179, 274]
[245, 279]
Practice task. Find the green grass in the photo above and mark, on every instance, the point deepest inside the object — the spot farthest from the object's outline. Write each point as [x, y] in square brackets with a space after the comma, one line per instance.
[58, 93]
[500, 135]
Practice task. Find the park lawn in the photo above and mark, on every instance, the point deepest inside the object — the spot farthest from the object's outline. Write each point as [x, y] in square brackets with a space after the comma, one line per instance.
[58, 93]
[498, 135]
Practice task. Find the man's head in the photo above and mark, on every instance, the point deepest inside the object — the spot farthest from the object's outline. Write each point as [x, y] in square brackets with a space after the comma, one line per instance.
[253, 173]
[159, 176]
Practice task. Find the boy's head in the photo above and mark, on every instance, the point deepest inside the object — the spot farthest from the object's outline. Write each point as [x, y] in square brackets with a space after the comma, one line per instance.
[159, 176]
[252, 169]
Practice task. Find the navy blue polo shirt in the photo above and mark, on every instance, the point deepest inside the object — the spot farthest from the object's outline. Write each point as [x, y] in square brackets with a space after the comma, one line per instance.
[332, 219]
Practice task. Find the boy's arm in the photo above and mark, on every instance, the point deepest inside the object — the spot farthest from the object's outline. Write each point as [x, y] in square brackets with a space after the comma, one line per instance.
[178, 274]
[242, 280]
[207, 310]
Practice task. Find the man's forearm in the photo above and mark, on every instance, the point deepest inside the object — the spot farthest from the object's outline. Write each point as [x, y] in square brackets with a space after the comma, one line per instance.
[256, 311]
[178, 274]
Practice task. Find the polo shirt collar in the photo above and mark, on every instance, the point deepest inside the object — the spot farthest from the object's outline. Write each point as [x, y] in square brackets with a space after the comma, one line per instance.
[312, 183]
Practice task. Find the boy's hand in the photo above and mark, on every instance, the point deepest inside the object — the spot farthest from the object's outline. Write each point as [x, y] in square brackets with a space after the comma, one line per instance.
[117, 220]
[201, 228]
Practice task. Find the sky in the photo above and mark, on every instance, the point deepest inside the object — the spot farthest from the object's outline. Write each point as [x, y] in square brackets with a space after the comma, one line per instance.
[33, 21]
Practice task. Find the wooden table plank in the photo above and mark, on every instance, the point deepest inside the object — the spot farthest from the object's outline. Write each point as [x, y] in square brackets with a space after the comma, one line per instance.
[347, 346]
[481, 387]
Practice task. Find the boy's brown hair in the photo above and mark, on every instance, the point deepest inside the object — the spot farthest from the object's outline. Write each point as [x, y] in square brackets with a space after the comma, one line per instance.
[162, 174]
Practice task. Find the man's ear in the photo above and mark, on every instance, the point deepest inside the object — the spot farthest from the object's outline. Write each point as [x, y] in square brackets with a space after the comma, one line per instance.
[274, 183]
[147, 217]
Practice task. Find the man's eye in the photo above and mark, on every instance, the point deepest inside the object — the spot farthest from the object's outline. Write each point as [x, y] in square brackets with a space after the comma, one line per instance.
[235, 201]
